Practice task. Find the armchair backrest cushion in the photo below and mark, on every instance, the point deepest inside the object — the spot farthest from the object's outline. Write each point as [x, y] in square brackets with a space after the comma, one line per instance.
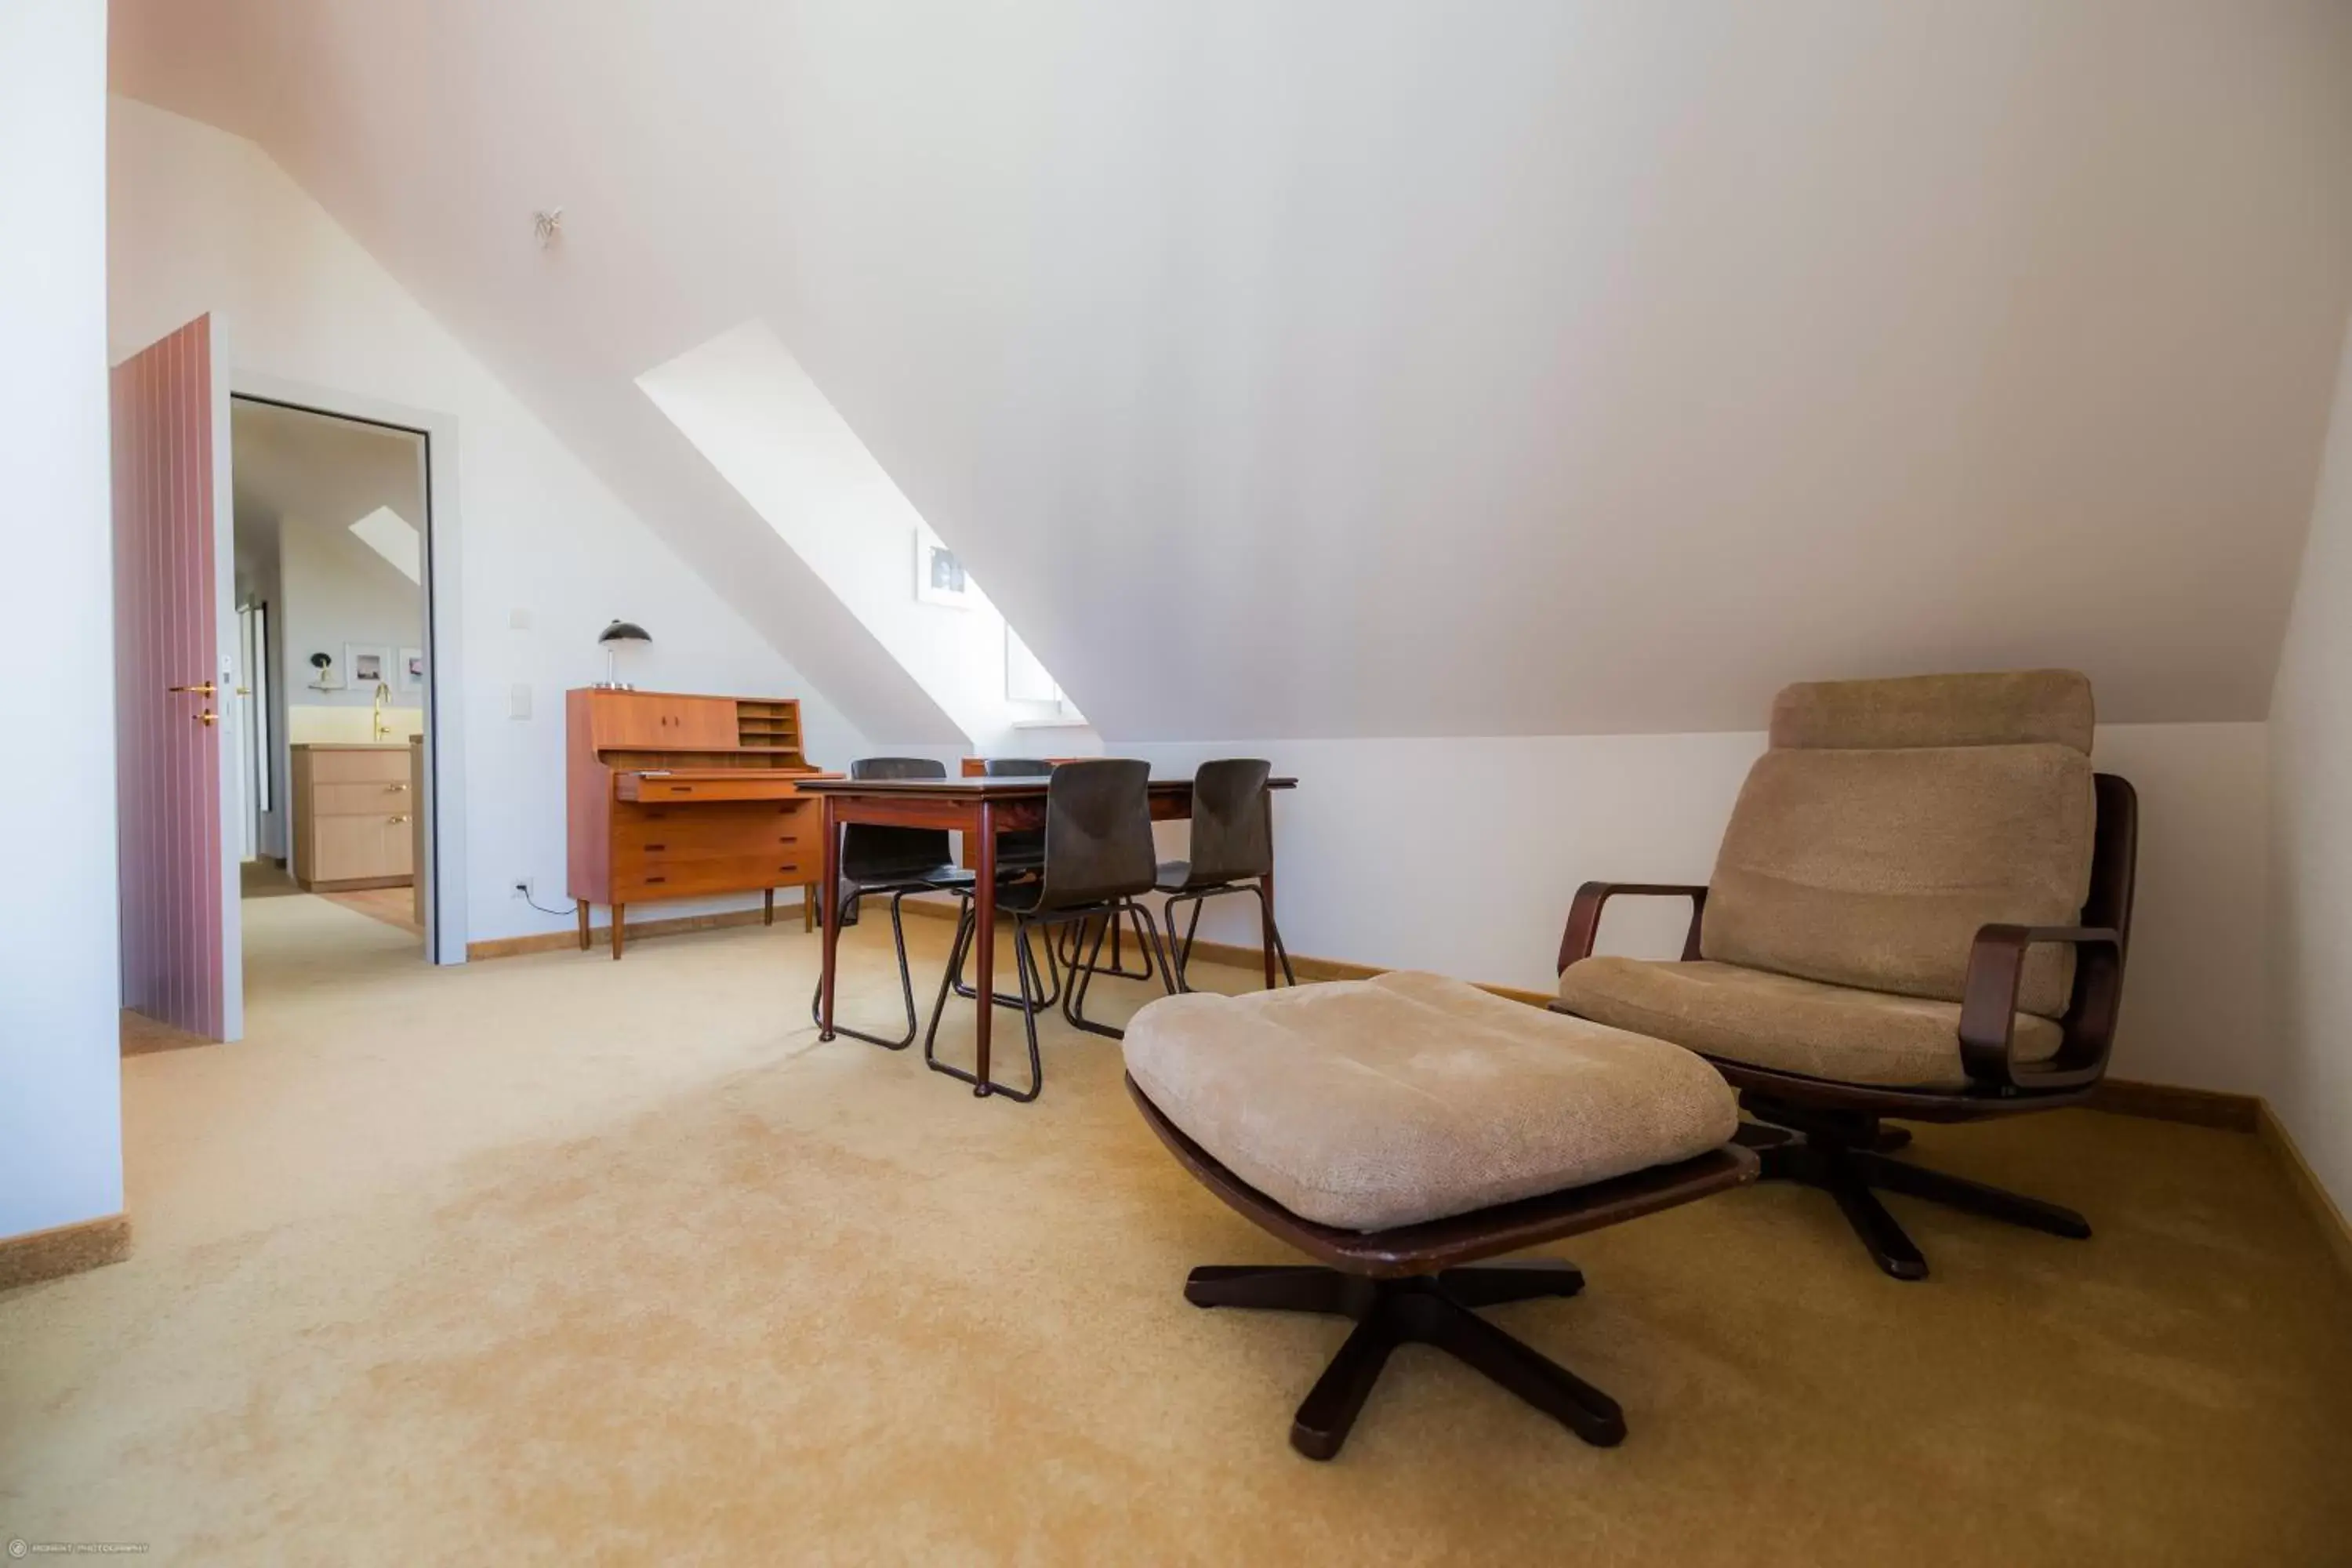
[1892, 818]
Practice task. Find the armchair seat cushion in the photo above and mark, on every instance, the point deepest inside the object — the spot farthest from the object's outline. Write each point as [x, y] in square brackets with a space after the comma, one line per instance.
[1778, 1021]
[1370, 1104]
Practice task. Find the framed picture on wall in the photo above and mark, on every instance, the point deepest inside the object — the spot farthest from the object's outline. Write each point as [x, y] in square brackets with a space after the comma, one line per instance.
[366, 664]
[939, 577]
[412, 669]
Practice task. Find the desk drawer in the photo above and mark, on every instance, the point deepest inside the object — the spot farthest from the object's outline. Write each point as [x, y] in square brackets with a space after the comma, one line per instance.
[672, 878]
[753, 785]
[359, 799]
[741, 828]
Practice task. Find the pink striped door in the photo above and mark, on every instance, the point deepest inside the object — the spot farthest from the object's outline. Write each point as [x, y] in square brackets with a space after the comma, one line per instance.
[175, 764]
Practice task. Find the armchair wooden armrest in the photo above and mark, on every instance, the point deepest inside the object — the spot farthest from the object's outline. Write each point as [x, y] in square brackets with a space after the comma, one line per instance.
[1988, 1007]
[1584, 914]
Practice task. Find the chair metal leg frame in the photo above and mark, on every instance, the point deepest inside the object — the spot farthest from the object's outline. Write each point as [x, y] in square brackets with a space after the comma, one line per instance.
[1076, 936]
[1074, 997]
[1197, 899]
[966, 928]
[1846, 1154]
[1047, 997]
[1071, 989]
[1430, 1310]
[905, 988]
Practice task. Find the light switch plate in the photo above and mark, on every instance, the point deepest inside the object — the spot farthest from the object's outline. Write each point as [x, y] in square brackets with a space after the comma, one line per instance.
[518, 700]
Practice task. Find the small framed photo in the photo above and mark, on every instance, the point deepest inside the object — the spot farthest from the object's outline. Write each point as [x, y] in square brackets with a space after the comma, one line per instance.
[412, 669]
[367, 664]
[939, 577]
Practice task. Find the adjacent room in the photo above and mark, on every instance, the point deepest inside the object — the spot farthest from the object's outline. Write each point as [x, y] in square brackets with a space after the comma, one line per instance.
[331, 607]
[1154, 782]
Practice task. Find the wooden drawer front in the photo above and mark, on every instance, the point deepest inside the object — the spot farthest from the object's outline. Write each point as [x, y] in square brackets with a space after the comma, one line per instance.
[346, 848]
[754, 784]
[742, 827]
[719, 873]
[359, 767]
[360, 799]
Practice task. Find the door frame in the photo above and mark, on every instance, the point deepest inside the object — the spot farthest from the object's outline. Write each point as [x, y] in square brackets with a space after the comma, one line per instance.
[445, 738]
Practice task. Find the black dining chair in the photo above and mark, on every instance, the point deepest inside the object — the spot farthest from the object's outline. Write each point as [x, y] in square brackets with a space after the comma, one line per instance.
[1019, 854]
[1026, 850]
[897, 862]
[1233, 852]
[1098, 862]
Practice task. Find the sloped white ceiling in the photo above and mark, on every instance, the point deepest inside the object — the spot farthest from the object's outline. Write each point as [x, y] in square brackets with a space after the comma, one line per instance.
[1376, 367]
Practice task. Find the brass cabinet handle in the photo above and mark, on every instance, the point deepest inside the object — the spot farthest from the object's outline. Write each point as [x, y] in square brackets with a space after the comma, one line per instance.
[395, 786]
[207, 718]
[395, 819]
[201, 688]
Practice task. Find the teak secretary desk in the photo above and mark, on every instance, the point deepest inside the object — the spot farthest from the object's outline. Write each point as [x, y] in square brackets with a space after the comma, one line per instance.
[675, 796]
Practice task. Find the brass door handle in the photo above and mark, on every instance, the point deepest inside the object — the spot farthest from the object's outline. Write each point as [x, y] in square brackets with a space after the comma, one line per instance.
[201, 688]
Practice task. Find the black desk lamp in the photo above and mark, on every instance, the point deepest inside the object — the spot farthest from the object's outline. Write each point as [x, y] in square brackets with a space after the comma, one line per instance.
[614, 638]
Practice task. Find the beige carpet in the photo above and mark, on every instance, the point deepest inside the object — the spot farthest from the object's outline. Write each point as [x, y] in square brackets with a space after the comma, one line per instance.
[265, 879]
[395, 907]
[556, 1260]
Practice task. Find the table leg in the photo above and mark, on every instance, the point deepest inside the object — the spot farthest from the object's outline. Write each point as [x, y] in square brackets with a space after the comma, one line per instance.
[617, 909]
[983, 901]
[1266, 921]
[808, 906]
[830, 890]
[582, 905]
[767, 906]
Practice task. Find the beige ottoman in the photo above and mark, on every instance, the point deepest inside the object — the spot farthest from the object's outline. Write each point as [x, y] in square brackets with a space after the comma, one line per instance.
[1401, 1128]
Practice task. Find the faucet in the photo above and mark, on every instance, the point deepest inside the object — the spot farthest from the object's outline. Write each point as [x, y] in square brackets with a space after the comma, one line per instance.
[375, 712]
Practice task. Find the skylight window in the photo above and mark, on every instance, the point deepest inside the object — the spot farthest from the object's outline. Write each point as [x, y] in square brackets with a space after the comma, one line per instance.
[392, 536]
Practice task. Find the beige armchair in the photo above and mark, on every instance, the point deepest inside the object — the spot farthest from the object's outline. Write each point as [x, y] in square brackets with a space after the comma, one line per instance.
[1919, 912]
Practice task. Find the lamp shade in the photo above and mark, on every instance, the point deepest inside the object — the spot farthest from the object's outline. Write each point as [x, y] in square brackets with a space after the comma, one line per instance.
[623, 631]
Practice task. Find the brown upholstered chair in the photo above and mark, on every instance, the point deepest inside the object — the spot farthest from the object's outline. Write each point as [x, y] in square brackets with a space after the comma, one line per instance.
[1919, 912]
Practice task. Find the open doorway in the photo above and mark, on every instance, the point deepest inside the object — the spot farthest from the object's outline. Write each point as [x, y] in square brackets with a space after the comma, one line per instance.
[331, 537]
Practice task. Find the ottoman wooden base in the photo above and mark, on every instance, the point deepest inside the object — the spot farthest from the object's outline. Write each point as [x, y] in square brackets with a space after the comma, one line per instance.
[1410, 1284]
[1430, 1310]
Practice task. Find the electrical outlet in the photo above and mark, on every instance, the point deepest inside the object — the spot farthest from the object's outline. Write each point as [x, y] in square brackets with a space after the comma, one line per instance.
[524, 889]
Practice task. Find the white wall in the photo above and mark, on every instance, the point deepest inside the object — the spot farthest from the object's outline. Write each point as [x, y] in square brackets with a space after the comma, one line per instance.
[2311, 806]
[205, 221]
[1475, 880]
[60, 1086]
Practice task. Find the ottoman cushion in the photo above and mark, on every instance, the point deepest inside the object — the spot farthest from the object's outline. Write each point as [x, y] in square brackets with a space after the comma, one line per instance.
[1370, 1104]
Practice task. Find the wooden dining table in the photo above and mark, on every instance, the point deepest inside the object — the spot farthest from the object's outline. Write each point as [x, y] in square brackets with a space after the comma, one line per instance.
[979, 808]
